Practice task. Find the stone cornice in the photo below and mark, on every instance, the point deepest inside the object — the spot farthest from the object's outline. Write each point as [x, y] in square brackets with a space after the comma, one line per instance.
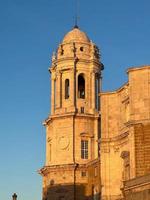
[73, 166]
[114, 139]
[86, 135]
[143, 67]
[46, 169]
[137, 182]
[71, 114]
[79, 61]
[95, 161]
[134, 122]
[77, 42]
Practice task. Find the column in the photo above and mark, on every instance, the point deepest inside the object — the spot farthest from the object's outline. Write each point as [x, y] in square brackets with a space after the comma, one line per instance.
[60, 89]
[52, 95]
[93, 90]
[96, 138]
[99, 90]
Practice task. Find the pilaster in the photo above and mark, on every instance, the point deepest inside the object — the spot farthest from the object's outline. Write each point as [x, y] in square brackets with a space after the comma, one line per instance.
[93, 90]
[52, 95]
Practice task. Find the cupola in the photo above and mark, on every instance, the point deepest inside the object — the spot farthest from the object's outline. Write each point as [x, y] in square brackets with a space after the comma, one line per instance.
[76, 35]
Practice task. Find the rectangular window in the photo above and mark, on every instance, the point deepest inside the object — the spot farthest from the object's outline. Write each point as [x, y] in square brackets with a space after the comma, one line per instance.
[67, 89]
[83, 173]
[82, 109]
[84, 149]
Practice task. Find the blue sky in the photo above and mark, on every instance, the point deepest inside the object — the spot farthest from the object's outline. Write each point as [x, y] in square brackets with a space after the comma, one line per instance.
[29, 32]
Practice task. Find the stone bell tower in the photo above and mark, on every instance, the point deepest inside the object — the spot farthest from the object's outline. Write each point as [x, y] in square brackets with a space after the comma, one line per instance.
[71, 169]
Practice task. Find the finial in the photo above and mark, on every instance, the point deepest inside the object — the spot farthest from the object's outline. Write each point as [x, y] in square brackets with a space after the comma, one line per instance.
[14, 196]
[76, 26]
[76, 14]
[54, 56]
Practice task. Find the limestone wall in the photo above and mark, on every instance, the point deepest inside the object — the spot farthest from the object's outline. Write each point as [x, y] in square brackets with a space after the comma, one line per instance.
[114, 141]
[125, 127]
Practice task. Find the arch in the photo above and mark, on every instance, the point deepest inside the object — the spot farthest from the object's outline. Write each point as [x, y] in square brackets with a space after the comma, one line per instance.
[67, 89]
[81, 86]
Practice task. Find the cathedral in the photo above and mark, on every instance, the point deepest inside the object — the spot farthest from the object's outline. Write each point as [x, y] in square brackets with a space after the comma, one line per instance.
[97, 143]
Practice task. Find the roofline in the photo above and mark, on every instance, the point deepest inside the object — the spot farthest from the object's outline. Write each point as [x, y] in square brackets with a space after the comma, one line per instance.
[130, 69]
[142, 67]
[115, 91]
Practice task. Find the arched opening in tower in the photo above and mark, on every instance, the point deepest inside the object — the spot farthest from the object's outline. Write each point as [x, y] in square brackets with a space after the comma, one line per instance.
[67, 89]
[81, 86]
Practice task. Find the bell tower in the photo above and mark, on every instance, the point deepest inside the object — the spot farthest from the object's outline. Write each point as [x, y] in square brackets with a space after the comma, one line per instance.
[71, 169]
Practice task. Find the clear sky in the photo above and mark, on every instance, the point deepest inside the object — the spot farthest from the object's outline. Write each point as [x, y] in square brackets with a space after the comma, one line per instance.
[30, 31]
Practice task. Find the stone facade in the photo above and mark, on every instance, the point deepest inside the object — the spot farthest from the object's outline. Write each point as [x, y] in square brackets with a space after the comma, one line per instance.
[96, 142]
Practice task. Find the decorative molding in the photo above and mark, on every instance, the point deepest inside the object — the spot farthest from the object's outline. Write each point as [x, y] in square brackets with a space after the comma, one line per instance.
[54, 168]
[105, 148]
[61, 190]
[115, 139]
[87, 135]
[124, 154]
[63, 142]
[116, 149]
[125, 100]
[49, 139]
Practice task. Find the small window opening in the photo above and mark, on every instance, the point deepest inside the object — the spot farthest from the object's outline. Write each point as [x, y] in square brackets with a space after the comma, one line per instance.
[67, 89]
[51, 182]
[62, 52]
[81, 87]
[81, 48]
[83, 173]
[95, 171]
[84, 149]
[82, 109]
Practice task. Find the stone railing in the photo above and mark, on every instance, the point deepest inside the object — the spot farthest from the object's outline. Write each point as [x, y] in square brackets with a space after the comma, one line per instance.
[137, 181]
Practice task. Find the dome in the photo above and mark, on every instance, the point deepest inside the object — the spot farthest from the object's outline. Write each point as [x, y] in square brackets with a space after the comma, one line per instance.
[76, 35]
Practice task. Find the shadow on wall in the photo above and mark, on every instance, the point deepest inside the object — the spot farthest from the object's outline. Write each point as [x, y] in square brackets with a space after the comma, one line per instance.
[70, 192]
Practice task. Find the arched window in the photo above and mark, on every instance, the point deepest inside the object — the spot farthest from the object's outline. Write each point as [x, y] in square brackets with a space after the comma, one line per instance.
[67, 89]
[81, 86]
